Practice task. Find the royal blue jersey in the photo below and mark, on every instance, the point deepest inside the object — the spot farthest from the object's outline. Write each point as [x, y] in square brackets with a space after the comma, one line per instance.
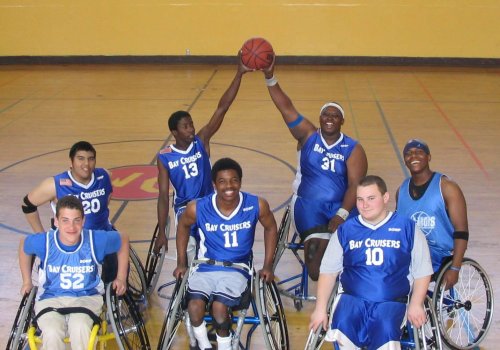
[429, 213]
[189, 172]
[94, 196]
[71, 270]
[226, 238]
[377, 258]
[322, 169]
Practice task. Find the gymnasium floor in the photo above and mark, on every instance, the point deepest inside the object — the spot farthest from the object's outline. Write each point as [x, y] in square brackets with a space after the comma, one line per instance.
[123, 109]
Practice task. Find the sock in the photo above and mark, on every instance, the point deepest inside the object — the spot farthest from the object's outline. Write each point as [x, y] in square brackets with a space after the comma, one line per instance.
[200, 333]
[223, 343]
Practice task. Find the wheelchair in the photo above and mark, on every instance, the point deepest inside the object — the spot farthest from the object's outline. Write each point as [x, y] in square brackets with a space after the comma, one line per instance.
[260, 298]
[465, 311]
[295, 287]
[119, 312]
[426, 337]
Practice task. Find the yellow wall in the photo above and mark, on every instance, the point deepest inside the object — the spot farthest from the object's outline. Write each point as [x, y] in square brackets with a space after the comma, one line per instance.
[426, 28]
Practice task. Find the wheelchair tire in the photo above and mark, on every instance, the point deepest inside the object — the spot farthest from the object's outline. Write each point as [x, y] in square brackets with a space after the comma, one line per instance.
[18, 338]
[174, 315]
[136, 280]
[317, 338]
[154, 261]
[271, 315]
[465, 311]
[126, 321]
[283, 230]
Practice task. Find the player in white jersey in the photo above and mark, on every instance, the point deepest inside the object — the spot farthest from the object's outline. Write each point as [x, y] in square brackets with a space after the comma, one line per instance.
[381, 256]
[226, 223]
[70, 257]
[436, 203]
[191, 179]
[330, 166]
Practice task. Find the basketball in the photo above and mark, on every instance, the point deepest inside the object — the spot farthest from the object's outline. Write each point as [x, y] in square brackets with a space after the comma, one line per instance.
[257, 53]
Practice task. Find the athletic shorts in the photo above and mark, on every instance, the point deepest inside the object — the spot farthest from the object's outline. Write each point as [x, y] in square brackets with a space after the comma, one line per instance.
[226, 287]
[311, 217]
[194, 229]
[367, 323]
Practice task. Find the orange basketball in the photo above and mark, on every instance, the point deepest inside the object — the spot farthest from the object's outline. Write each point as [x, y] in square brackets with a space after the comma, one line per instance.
[257, 53]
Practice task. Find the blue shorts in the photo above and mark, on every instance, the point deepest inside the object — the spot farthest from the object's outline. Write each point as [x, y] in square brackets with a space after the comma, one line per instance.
[194, 229]
[367, 323]
[311, 217]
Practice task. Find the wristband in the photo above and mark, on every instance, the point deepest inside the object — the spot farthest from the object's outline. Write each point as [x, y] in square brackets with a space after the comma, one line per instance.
[342, 213]
[296, 122]
[454, 268]
[272, 81]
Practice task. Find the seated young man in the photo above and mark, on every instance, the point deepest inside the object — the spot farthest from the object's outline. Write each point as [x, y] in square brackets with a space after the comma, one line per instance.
[69, 273]
[226, 224]
[380, 255]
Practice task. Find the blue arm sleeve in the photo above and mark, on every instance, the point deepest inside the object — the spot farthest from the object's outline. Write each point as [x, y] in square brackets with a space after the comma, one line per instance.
[35, 245]
[106, 242]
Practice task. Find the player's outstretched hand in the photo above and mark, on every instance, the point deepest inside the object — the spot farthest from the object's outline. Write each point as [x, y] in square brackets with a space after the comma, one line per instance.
[26, 288]
[269, 71]
[267, 274]
[119, 286]
[241, 67]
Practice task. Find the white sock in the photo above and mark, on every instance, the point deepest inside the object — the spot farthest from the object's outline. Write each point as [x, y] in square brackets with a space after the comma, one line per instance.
[200, 333]
[223, 343]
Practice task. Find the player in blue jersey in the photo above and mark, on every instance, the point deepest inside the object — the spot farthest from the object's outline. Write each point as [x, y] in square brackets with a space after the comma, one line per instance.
[68, 277]
[90, 184]
[436, 203]
[330, 166]
[381, 256]
[226, 224]
[186, 163]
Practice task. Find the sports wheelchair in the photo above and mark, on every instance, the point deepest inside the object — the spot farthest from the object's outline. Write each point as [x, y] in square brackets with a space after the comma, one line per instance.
[465, 311]
[296, 286]
[426, 337]
[260, 297]
[119, 312]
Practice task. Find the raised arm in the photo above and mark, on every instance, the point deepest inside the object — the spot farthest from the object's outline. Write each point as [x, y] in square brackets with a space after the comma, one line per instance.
[206, 132]
[162, 206]
[120, 283]
[266, 218]
[300, 127]
[357, 166]
[43, 193]
[457, 210]
[187, 219]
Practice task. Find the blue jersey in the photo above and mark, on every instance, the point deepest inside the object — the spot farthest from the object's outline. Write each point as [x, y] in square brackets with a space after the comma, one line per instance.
[377, 259]
[189, 172]
[322, 170]
[71, 270]
[226, 238]
[429, 213]
[94, 196]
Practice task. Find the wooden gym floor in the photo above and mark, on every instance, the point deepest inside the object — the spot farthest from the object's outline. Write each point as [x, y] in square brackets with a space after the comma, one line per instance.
[123, 111]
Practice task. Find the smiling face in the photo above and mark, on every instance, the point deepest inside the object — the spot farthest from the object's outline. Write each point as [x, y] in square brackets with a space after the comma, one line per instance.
[82, 166]
[416, 160]
[227, 185]
[331, 120]
[371, 203]
[70, 224]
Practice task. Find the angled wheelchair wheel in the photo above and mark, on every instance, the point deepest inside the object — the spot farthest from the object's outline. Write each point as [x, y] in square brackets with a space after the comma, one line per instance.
[154, 261]
[271, 315]
[174, 315]
[126, 321]
[18, 338]
[317, 338]
[428, 337]
[136, 280]
[283, 230]
[465, 311]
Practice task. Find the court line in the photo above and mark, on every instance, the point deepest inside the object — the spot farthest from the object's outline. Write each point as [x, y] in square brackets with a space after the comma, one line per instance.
[457, 133]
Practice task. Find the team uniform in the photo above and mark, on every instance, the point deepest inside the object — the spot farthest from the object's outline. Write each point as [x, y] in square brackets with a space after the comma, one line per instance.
[429, 213]
[69, 277]
[189, 173]
[227, 239]
[94, 196]
[378, 264]
[320, 183]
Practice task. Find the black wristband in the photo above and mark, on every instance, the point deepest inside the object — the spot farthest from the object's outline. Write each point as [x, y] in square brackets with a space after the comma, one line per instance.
[461, 235]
